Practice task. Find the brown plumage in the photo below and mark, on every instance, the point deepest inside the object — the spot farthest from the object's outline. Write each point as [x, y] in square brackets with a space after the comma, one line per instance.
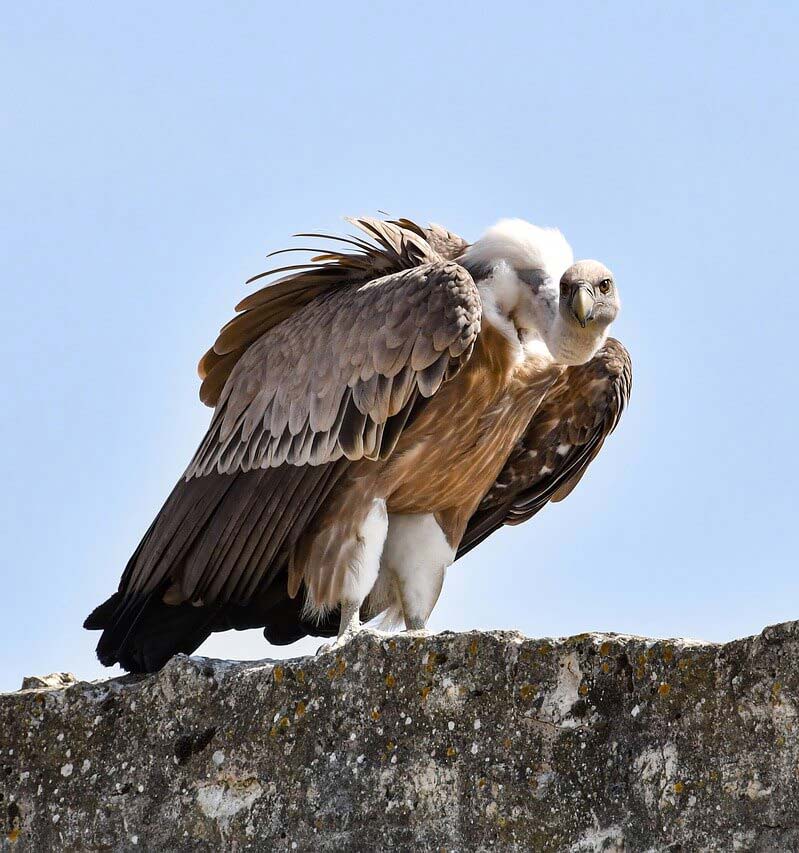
[444, 463]
[373, 384]
[312, 391]
[562, 439]
[398, 245]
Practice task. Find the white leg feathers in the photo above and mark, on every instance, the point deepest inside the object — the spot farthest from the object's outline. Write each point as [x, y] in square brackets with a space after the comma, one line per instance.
[362, 570]
[399, 562]
[415, 558]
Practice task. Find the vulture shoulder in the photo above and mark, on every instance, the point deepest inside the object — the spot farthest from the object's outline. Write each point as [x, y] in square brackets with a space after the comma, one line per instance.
[340, 376]
[390, 246]
[566, 433]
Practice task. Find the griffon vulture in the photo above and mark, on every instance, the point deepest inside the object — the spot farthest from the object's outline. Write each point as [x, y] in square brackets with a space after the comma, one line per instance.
[378, 411]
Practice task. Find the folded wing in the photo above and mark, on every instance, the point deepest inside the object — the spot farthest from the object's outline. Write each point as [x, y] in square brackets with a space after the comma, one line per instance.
[326, 382]
[335, 380]
[567, 432]
[390, 246]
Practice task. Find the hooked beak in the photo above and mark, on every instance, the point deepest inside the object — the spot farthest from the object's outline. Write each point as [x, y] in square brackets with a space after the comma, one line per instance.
[583, 304]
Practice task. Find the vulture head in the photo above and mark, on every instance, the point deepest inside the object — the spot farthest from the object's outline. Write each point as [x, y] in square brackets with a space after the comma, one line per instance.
[588, 294]
[588, 303]
[533, 290]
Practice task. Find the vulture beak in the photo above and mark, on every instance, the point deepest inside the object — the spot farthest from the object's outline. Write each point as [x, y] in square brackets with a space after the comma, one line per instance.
[583, 304]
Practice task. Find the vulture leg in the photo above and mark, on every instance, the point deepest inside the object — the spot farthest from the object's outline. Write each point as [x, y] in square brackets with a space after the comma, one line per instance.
[416, 556]
[353, 581]
[350, 621]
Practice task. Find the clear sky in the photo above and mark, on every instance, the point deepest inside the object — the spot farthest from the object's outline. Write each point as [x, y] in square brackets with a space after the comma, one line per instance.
[152, 153]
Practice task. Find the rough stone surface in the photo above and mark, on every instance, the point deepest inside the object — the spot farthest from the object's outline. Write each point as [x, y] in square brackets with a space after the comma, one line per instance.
[457, 742]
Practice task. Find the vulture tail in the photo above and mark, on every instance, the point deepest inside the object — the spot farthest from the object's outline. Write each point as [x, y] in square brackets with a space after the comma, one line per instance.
[230, 535]
[141, 633]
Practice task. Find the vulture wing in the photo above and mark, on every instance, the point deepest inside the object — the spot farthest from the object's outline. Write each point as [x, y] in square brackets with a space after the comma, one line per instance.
[567, 431]
[334, 380]
[325, 382]
[395, 245]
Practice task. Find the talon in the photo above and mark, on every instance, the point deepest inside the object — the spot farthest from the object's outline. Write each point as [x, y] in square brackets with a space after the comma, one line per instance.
[380, 635]
[344, 639]
[338, 643]
[414, 623]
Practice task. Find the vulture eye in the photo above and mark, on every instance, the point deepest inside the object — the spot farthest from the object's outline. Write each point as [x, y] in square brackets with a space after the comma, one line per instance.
[564, 289]
[605, 285]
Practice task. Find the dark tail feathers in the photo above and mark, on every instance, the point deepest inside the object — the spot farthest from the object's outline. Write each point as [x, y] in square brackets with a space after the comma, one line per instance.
[141, 633]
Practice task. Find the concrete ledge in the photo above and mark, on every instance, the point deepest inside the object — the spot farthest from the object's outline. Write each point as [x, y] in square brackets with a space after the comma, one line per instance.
[456, 742]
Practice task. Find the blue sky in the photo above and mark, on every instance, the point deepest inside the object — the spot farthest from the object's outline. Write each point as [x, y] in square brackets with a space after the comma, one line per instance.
[154, 153]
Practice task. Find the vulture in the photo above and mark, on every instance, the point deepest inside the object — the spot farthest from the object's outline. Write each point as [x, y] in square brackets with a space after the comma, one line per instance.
[379, 410]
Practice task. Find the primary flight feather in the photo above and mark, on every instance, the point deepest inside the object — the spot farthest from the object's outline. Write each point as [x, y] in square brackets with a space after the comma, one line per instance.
[379, 411]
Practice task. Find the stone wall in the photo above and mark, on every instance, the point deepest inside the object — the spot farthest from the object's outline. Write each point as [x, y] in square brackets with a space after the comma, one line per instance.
[456, 742]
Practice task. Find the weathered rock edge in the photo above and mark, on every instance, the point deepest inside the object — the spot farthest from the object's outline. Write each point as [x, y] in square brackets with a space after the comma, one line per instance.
[455, 742]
